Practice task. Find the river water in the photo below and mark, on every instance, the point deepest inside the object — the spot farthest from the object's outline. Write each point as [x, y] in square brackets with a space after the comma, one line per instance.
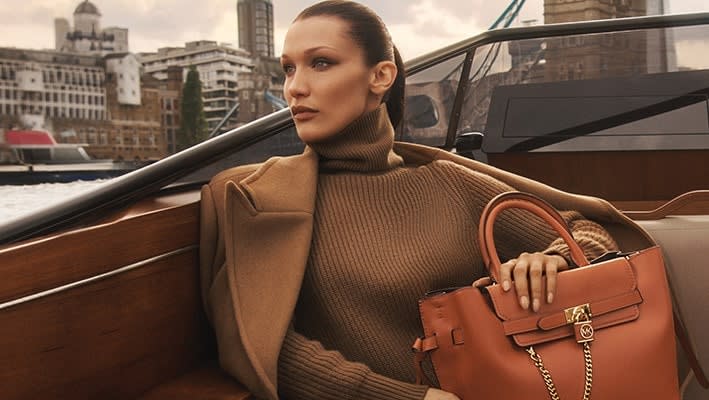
[16, 201]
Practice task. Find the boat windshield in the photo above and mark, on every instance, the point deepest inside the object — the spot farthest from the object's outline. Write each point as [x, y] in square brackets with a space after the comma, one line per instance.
[641, 90]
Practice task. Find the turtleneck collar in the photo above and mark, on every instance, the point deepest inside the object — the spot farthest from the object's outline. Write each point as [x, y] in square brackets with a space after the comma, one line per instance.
[365, 145]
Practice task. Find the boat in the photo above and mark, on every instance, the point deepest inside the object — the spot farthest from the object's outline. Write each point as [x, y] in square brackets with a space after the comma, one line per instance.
[100, 296]
[33, 156]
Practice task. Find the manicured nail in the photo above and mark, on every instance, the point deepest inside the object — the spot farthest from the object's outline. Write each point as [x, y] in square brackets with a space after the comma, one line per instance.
[505, 285]
[535, 305]
[524, 302]
[550, 297]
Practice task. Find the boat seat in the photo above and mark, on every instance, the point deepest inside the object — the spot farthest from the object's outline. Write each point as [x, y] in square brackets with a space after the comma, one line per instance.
[207, 382]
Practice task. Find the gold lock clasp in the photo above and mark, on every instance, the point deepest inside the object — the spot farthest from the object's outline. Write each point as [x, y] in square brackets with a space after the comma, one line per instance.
[580, 316]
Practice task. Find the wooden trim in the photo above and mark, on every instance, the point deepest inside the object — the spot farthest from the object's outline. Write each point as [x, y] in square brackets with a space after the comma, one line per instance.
[87, 281]
[68, 257]
[691, 203]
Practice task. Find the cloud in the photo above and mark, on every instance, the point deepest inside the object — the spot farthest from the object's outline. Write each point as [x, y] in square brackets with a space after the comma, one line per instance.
[418, 26]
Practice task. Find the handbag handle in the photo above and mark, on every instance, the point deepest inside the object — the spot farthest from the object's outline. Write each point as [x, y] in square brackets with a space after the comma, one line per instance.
[536, 206]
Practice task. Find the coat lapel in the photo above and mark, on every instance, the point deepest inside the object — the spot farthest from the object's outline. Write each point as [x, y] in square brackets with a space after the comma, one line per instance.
[269, 218]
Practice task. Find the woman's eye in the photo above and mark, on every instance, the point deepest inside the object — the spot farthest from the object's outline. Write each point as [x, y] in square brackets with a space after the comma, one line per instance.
[321, 64]
[288, 69]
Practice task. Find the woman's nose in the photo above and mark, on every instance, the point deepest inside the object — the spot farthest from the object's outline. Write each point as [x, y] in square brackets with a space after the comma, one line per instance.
[297, 85]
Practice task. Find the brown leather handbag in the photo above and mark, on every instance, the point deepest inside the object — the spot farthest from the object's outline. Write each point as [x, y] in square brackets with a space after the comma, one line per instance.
[607, 335]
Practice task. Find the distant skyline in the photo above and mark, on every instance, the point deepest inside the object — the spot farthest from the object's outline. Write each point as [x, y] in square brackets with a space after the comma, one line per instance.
[417, 26]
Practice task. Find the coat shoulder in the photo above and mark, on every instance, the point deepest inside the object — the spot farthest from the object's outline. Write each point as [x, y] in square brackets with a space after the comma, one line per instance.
[234, 174]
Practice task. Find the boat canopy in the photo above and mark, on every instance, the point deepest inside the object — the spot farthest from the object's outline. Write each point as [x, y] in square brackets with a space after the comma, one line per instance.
[22, 138]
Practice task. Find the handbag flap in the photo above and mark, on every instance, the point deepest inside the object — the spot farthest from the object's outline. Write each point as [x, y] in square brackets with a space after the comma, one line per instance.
[609, 289]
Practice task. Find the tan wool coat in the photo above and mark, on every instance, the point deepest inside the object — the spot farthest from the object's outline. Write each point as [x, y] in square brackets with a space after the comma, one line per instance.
[256, 227]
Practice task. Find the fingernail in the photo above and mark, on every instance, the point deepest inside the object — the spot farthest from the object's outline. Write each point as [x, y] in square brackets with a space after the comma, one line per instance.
[505, 285]
[524, 302]
[535, 305]
[550, 297]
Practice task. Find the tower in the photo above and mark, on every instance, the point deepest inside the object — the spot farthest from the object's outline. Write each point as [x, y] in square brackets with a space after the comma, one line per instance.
[556, 11]
[87, 20]
[255, 19]
[61, 29]
[87, 36]
[595, 56]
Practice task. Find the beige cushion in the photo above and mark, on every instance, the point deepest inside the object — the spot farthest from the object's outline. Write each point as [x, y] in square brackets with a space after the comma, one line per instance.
[685, 244]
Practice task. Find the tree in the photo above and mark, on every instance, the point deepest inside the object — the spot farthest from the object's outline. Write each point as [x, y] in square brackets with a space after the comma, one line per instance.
[193, 125]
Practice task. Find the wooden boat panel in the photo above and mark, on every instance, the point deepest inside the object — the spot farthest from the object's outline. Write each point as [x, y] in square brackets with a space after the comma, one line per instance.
[79, 254]
[112, 339]
[615, 176]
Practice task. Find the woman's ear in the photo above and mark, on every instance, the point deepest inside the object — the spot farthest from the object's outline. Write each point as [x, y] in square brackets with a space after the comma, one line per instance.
[383, 76]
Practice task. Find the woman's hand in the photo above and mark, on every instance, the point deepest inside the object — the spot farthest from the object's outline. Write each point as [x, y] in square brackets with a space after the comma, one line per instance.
[437, 394]
[527, 270]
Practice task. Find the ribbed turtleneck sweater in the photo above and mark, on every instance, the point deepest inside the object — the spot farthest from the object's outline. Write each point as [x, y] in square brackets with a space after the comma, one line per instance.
[384, 234]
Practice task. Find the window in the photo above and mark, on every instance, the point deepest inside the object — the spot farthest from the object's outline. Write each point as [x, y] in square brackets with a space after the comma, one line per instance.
[562, 73]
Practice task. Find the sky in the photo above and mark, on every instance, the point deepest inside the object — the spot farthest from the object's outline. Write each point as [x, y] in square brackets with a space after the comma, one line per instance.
[417, 26]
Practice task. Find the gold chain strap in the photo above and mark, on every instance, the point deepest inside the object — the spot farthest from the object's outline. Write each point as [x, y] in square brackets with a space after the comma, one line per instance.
[546, 375]
[589, 371]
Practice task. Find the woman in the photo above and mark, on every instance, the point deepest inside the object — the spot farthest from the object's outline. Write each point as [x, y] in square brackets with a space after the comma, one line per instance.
[313, 264]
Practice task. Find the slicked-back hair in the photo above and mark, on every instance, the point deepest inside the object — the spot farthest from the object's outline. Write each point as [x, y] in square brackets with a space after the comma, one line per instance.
[368, 31]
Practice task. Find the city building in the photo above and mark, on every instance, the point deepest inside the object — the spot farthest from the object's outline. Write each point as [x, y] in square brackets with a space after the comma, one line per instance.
[261, 90]
[87, 37]
[90, 90]
[602, 55]
[557, 11]
[90, 99]
[255, 19]
[170, 91]
[37, 85]
[230, 79]
[218, 65]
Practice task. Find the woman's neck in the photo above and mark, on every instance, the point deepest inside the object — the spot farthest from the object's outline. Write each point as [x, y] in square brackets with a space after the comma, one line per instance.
[366, 145]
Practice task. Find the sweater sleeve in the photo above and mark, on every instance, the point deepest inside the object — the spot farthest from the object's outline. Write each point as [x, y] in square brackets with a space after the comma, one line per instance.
[593, 239]
[518, 231]
[307, 371]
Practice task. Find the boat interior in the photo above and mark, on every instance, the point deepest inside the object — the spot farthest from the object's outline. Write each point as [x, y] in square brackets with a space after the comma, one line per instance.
[100, 296]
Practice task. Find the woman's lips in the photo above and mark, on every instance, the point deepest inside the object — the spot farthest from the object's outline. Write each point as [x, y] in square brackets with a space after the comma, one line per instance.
[302, 113]
[304, 116]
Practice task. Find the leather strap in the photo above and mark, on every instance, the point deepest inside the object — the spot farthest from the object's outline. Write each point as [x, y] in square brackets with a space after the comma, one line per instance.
[532, 204]
[421, 348]
[558, 319]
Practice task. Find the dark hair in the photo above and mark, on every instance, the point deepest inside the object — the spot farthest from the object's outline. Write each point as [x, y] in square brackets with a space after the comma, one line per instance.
[372, 36]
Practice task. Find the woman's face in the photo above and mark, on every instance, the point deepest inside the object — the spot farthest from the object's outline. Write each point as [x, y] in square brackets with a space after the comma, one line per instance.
[327, 80]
